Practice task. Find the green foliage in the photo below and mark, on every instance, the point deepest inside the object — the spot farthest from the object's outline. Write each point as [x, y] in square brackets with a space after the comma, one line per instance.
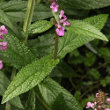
[82, 69]
[97, 21]
[40, 26]
[16, 10]
[60, 71]
[29, 77]
[4, 82]
[77, 35]
[6, 21]
[17, 54]
[105, 53]
[30, 104]
[85, 4]
[42, 46]
[90, 59]
[105, 81]
[56, 96]
[94, 73]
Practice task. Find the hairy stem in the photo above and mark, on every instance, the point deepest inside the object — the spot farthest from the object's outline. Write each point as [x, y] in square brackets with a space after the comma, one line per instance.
[43, 103]
[56, 47]
[28, 18]
[8, 107]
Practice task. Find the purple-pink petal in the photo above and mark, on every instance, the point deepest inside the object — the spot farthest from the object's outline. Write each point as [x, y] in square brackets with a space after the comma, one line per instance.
[3, 30]
[66, 23]
[54, 7]
[108, 100]
[1, 64]
[1, 37]
[61, 14]
[3, 45]
[60, 30]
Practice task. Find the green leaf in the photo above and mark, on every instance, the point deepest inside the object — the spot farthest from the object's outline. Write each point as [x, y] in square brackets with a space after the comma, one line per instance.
[89, 60]
[78, 34]
[17, 54]
[13, 5]
[51, 90]
[40, 26]
[85, 29]
[4, 82]
[63, 70]
[97, 21]
[60, 103]
[94, 73]
[16, 10]
[85, 4]
[30, 104]
[6, 21]
[29, 77]
[42, 46]
[106, 81]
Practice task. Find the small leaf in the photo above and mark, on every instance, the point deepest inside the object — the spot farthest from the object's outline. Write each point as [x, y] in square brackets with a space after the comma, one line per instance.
[4, 82]
[51, 90]
[30, 104]
[29, 77]
[40, 26]
[17, 54]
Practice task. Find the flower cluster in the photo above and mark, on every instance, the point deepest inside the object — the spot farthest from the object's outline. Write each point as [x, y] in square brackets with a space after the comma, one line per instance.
[62, 19]
[101, 102]
[3, 44]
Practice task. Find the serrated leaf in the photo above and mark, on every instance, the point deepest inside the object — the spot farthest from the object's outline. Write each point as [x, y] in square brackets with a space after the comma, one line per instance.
[29, 77]
[40, 26]
[78, 34]
[97, 21]
[50, 91]
[4, 82]
[30, 104]
[85, 4]
[17, 54]
[86, 29]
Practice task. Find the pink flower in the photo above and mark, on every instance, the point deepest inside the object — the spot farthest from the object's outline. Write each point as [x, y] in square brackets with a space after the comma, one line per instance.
[66, 23]
[3, 30]
[61, 14]
[3, 45]
[60, 30]
[54, 7]
[108, 100]
[1, 37]
[1, 64]
[107, 109]
[90, 105]
[97, 94]
[63, 19]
